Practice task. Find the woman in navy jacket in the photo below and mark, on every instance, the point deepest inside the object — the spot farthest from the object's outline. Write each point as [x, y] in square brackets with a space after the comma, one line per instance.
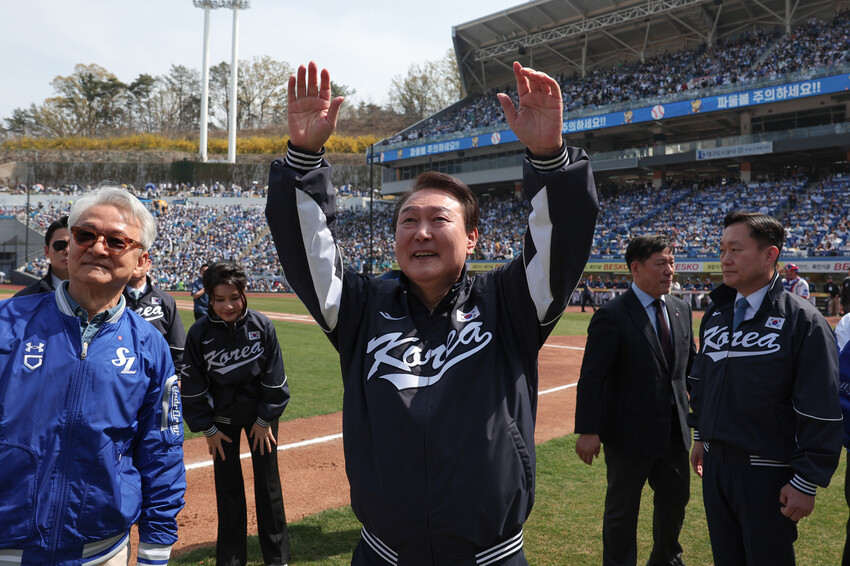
[235, 380]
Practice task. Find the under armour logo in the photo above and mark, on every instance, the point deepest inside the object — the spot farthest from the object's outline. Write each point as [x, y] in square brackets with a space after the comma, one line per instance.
[33, 361]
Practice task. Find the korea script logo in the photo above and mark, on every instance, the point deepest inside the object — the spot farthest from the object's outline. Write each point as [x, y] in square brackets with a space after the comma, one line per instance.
[407, 355]
[745, 345]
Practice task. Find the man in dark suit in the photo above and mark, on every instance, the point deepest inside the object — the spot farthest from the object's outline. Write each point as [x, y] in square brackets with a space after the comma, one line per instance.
[632, 398]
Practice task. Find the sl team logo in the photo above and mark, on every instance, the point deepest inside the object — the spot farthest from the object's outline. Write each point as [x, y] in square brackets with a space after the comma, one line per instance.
[123, 360]
[33, 355]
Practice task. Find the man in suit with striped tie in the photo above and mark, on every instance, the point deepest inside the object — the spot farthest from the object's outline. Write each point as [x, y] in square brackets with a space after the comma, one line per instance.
[632, 398]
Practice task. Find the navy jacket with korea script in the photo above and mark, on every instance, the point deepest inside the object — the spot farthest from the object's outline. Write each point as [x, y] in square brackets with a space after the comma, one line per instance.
[239, 367]
[770, 389]
[90, 437]
[439, 407]
[160, 309]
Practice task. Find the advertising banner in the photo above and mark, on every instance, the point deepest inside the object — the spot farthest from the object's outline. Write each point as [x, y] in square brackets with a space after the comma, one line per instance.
[686, 266]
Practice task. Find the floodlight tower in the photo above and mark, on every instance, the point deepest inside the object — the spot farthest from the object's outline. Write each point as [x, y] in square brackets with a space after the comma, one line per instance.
[207, 5]
[234, 67]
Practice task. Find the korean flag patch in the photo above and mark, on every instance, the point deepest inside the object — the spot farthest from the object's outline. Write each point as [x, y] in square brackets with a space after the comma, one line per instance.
[467, 316]
[775, 322]
[156, 301]
[253, 335]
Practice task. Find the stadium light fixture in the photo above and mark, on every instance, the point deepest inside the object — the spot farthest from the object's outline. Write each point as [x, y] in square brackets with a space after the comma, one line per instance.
[208, 5]
[235, 5]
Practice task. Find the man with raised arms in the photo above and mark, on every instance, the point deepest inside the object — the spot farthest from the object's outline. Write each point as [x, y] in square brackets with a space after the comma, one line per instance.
[439, 365]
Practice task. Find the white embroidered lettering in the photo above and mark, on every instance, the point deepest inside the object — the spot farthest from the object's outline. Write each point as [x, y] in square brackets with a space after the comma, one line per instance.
[150, 313]
[219, 361]
[440, 359]
[750, 344]
[125, 361]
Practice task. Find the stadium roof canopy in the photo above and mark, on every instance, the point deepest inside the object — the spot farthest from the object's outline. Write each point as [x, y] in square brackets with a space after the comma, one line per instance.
[568, 36]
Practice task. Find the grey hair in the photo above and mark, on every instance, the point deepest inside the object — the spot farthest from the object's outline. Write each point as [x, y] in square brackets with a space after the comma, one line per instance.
[122, 200]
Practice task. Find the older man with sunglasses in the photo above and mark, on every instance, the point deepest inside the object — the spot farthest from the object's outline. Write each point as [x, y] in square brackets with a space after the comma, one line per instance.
[90, 418]
[56, 250]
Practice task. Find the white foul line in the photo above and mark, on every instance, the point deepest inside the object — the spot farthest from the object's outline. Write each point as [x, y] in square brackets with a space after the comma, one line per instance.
[319, 440]
[556, 389]
[562, 387]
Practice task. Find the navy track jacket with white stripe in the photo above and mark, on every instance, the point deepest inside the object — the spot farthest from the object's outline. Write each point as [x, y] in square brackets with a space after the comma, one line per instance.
[439, 407]
[238, 368]
[160, 309]
[91, 439]
[770, 389]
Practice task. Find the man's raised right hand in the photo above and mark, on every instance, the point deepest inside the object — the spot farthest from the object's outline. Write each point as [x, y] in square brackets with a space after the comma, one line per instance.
[312, 113]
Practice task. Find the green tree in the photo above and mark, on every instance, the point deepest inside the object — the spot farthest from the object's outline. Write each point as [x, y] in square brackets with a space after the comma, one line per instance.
[262, 89]
[52, 119]
[21, 122]
[178, 100]
[426, 89]
[139, 107]
[92, 97]
[219, 93]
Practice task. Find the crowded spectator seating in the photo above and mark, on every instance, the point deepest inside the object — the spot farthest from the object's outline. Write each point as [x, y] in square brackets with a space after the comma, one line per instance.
[815, 214]
[818, 224]
[750, 56]
[149, 191]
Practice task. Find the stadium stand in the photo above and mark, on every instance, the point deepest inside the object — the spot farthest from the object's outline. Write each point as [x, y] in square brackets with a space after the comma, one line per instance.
[728, 61]
[690, 213]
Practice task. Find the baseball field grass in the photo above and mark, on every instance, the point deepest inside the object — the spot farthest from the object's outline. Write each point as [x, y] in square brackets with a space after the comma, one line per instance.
[565, 527]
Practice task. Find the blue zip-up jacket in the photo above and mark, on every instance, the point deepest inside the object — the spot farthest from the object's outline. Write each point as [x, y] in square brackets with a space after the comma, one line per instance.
[90, 438]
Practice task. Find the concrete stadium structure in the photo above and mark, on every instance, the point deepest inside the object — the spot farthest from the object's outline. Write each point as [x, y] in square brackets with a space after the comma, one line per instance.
[767, 127]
